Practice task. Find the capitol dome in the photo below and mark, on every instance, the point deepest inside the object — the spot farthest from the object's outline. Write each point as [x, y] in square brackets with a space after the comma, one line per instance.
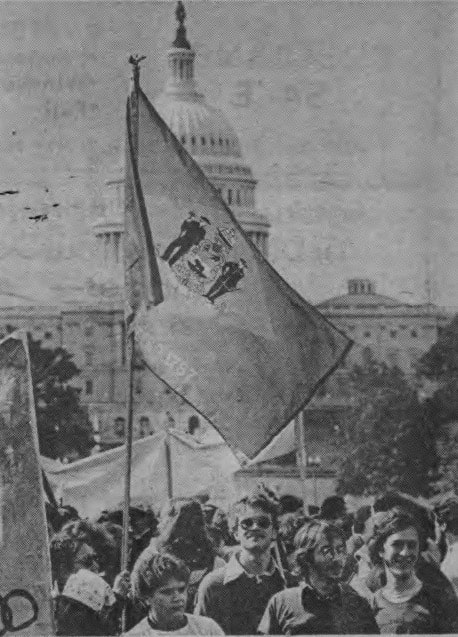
[213, 143]
[208, 136]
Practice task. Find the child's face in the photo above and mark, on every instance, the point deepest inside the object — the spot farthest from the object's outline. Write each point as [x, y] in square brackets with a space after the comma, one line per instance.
[168, 602]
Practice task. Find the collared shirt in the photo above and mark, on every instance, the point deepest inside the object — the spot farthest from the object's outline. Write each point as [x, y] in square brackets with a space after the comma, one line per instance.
[236, 599]
[303, 611]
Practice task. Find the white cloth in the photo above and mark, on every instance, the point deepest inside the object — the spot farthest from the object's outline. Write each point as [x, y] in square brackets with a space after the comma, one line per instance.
[449, 566]
[89, 589]
[197, 625]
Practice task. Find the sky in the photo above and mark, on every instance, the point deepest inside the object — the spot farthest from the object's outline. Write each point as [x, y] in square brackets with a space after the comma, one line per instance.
[346, 112]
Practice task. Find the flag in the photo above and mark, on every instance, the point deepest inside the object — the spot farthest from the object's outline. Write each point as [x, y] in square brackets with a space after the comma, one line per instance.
[213, 319]
[24, 547]
[92, 484]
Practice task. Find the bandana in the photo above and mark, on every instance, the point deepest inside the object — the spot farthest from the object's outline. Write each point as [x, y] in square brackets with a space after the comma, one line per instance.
[89, 589]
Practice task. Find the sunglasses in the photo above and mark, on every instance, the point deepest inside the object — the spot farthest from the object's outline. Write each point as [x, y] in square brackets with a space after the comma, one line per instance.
[263, 522]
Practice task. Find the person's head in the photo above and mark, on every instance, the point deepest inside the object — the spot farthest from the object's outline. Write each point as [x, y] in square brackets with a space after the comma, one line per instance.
[333, 508]
[183, 533]
[89, 589]
[424, 519]
[160, 582]
[69, 555]
[320, 551]
[89, 542]
[395, 542]
[191, 214]
[254, 521]
[361, 516]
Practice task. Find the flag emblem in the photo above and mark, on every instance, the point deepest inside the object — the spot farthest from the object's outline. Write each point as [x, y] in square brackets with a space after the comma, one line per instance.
[203, 258]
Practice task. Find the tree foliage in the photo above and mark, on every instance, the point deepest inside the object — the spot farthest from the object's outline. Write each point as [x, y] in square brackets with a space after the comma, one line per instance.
[389, 437]
[63, 424]
[440, 365]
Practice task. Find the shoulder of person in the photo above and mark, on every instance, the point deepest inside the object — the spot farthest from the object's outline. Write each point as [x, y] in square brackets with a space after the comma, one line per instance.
[349, 595]
[142, 628]
[204, 625]
[214, 578]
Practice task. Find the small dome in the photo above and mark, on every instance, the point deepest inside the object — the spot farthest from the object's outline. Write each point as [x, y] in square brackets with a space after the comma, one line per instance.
[359, 301]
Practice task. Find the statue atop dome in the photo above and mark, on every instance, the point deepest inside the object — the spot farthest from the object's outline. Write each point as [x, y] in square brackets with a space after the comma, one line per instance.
[181, 41]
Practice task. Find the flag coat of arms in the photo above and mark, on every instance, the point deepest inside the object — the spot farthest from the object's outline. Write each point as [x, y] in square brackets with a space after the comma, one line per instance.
[212, 318]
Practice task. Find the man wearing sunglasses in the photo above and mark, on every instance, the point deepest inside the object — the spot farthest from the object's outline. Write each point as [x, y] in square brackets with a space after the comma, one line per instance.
[236, 595]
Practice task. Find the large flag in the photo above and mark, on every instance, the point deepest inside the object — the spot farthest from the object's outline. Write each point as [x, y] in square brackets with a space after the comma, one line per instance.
[213, 319]
[24, 548]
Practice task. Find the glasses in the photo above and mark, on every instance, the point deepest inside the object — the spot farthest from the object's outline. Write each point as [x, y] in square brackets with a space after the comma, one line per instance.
[263, 522]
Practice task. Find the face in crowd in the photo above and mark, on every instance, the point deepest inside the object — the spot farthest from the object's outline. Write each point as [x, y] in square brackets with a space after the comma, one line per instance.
[400, 552]
[168, 602]
[255, 529]
[320, 552]
[328, 557]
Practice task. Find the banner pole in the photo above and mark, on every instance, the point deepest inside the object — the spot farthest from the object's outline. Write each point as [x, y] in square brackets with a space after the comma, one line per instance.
[128, 443]
[168, 464]
[301, 455]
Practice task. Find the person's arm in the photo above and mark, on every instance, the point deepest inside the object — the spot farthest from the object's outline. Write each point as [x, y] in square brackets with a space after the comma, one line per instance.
[446, 607]
[209, 600]
[269, 623]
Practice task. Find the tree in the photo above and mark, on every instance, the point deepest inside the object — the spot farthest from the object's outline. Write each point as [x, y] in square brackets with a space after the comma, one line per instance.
[63, 424]
[390, 442]
[440, 366]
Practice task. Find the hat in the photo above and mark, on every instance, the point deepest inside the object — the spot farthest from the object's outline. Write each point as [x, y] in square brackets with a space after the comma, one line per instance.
[204, 219]
[89, 589]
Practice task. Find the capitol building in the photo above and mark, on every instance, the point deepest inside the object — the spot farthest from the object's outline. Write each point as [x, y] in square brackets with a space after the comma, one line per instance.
[92, 328]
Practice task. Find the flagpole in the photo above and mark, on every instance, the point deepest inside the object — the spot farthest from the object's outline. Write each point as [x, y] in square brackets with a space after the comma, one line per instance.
[301, 455]
[130, 342]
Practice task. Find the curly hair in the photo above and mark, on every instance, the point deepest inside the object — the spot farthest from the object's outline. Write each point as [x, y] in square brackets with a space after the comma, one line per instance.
[152, 570]
[259, 499]
[308, 538]
[392, 521]
[66, 543]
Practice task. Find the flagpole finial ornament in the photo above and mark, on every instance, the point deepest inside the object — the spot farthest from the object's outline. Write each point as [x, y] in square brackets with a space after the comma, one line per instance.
[134, 61]
[181, 41]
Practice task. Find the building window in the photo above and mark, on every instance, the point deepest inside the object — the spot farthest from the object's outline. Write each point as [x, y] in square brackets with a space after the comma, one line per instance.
[88, 358]
[367, 334]
[202, 141]
[145, 426]
[193, 140]
[120, 426]
[48, 335]
[238, 197]
[220, 140]
[413, 333]
[89, 387]
[227, 142]
[393, 333]
[183, 139]
[212, 141]
[88, 330]
[229, 196]
[138, 385]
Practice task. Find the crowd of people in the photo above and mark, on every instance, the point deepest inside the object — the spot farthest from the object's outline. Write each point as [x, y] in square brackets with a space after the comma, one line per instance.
[264, 567]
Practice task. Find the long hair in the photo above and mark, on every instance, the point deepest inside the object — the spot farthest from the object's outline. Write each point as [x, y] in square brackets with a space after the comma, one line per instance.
[183, 534]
